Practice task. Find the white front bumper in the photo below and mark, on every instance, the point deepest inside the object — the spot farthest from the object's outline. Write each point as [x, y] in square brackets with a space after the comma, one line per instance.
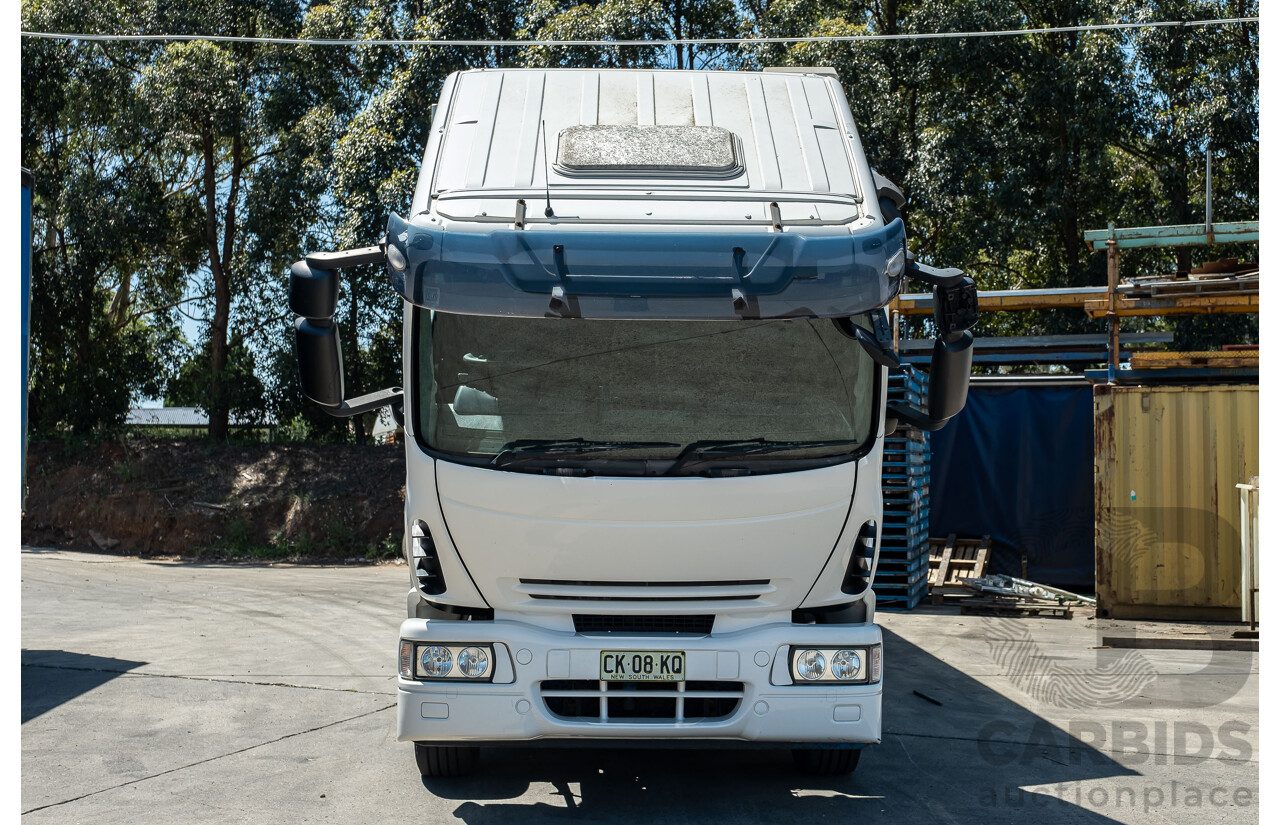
[515, 711]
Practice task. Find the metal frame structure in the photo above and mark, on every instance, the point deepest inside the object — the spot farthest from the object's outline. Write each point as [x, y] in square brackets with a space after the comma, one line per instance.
[1117, 300]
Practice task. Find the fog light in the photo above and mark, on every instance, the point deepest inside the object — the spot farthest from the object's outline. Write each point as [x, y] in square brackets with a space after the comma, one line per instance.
[473, 662]
[437, 661]
[811, 664]
[846, 665]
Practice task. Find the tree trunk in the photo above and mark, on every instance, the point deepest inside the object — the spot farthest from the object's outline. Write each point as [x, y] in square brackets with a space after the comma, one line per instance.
[355, 376]
[218, 414]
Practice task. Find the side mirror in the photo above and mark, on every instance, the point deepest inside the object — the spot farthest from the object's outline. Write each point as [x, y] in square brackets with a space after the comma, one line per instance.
[313, 295]
[320, 361]
[955, 312]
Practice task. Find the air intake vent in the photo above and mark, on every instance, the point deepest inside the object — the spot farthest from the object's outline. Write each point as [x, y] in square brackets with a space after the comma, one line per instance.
[641, 702]
[620, 591]
[858, 574]
[426, 562]
[699, 625]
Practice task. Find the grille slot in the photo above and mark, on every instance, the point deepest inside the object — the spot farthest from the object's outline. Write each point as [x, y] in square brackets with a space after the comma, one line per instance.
[593, 623]
[640, 702]
[426, 561]
[630, 591]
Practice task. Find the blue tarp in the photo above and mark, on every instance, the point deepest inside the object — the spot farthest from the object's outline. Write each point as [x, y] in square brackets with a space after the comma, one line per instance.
[27, 185]
[1017, 464]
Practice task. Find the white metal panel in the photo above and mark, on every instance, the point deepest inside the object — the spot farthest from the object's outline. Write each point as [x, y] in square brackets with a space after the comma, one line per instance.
[644, 99]
[487, 115]
[618, 104]
[508, 526]
[791, 127]
[673, 99]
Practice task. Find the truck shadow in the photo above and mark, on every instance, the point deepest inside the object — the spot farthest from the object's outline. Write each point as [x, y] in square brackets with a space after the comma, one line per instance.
[52, 677]
[969, 758]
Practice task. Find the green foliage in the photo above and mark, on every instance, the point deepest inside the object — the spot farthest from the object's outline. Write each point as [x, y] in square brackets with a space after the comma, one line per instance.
[242, 392]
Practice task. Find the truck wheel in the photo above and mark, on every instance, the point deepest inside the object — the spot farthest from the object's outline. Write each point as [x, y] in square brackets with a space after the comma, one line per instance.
[444, 760]
[827, 762]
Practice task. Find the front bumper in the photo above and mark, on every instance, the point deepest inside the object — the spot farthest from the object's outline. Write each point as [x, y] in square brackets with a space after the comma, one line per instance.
[513, 708]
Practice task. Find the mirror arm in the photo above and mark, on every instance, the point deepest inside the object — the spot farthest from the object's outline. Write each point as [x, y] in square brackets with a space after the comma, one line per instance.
[912, 418]
[955, 312]
[328, 261]
[392, 396]
[882, 356]
[931, 275]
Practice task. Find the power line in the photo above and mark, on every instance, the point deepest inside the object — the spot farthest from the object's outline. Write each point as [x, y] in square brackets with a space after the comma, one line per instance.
[706, 41]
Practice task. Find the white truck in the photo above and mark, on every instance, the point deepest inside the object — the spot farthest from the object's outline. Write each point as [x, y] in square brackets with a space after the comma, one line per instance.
[645, 374]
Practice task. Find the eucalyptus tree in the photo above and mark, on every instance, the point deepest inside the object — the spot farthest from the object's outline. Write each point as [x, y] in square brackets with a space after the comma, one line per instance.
[1196, 89]
[633, 20]
[110, 250]
[218, 108]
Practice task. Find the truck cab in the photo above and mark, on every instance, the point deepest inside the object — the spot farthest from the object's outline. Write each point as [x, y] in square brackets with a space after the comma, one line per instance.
[645, 372]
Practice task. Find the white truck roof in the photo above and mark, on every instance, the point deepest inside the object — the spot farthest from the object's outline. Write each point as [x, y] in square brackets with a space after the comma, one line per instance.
[502, 134]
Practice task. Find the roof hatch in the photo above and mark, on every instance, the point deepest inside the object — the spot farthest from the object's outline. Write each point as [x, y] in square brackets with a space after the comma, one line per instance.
[698, 151]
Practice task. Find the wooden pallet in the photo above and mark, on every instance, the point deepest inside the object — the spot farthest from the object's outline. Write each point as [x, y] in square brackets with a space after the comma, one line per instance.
[1014, 607]
[953, 559]
[1200, 286]
[1182, 360]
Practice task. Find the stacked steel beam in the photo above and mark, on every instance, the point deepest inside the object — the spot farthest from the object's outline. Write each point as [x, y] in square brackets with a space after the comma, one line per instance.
[902, 572]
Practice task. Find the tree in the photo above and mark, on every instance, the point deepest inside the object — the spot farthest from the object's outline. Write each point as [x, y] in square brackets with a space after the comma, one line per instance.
[109, 254]
[241, 389]
[217, 110]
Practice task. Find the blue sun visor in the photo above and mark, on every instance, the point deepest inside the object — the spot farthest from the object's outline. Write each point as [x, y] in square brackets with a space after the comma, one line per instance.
[535, 273]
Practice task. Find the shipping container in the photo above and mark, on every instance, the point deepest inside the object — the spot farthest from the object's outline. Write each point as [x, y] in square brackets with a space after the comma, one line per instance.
[1167, 534]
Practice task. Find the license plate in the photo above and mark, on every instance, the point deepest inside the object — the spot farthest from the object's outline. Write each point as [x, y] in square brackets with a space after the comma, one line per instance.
[642, 666]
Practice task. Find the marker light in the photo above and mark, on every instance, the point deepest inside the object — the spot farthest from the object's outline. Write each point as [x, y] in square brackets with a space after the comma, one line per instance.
[396, 258]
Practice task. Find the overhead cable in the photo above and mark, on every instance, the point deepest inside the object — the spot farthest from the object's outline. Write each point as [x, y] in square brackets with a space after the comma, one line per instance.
[685, 41]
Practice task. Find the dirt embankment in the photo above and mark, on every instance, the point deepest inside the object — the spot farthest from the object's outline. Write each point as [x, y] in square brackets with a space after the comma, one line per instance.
[189, 498]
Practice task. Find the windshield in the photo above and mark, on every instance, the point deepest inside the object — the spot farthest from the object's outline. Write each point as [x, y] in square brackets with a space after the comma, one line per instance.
[641, 397]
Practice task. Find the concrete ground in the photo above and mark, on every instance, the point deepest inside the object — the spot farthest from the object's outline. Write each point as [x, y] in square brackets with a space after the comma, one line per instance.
[167, 692]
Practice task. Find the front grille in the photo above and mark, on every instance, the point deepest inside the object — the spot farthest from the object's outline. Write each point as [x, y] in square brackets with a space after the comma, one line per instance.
[633, 591]
[640, 702]
[699, 625]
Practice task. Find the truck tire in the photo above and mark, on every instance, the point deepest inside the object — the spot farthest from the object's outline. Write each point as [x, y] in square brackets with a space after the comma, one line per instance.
[445, 760]
[826, 761]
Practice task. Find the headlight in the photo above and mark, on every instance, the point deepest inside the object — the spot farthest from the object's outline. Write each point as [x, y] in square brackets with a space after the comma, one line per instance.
[811, 665]
[473, 662]
[847, 665]
[448, 662]
[436, 661]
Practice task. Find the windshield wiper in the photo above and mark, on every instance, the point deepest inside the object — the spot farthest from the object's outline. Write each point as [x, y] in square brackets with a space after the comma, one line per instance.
[540, 448]
[734, 449]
